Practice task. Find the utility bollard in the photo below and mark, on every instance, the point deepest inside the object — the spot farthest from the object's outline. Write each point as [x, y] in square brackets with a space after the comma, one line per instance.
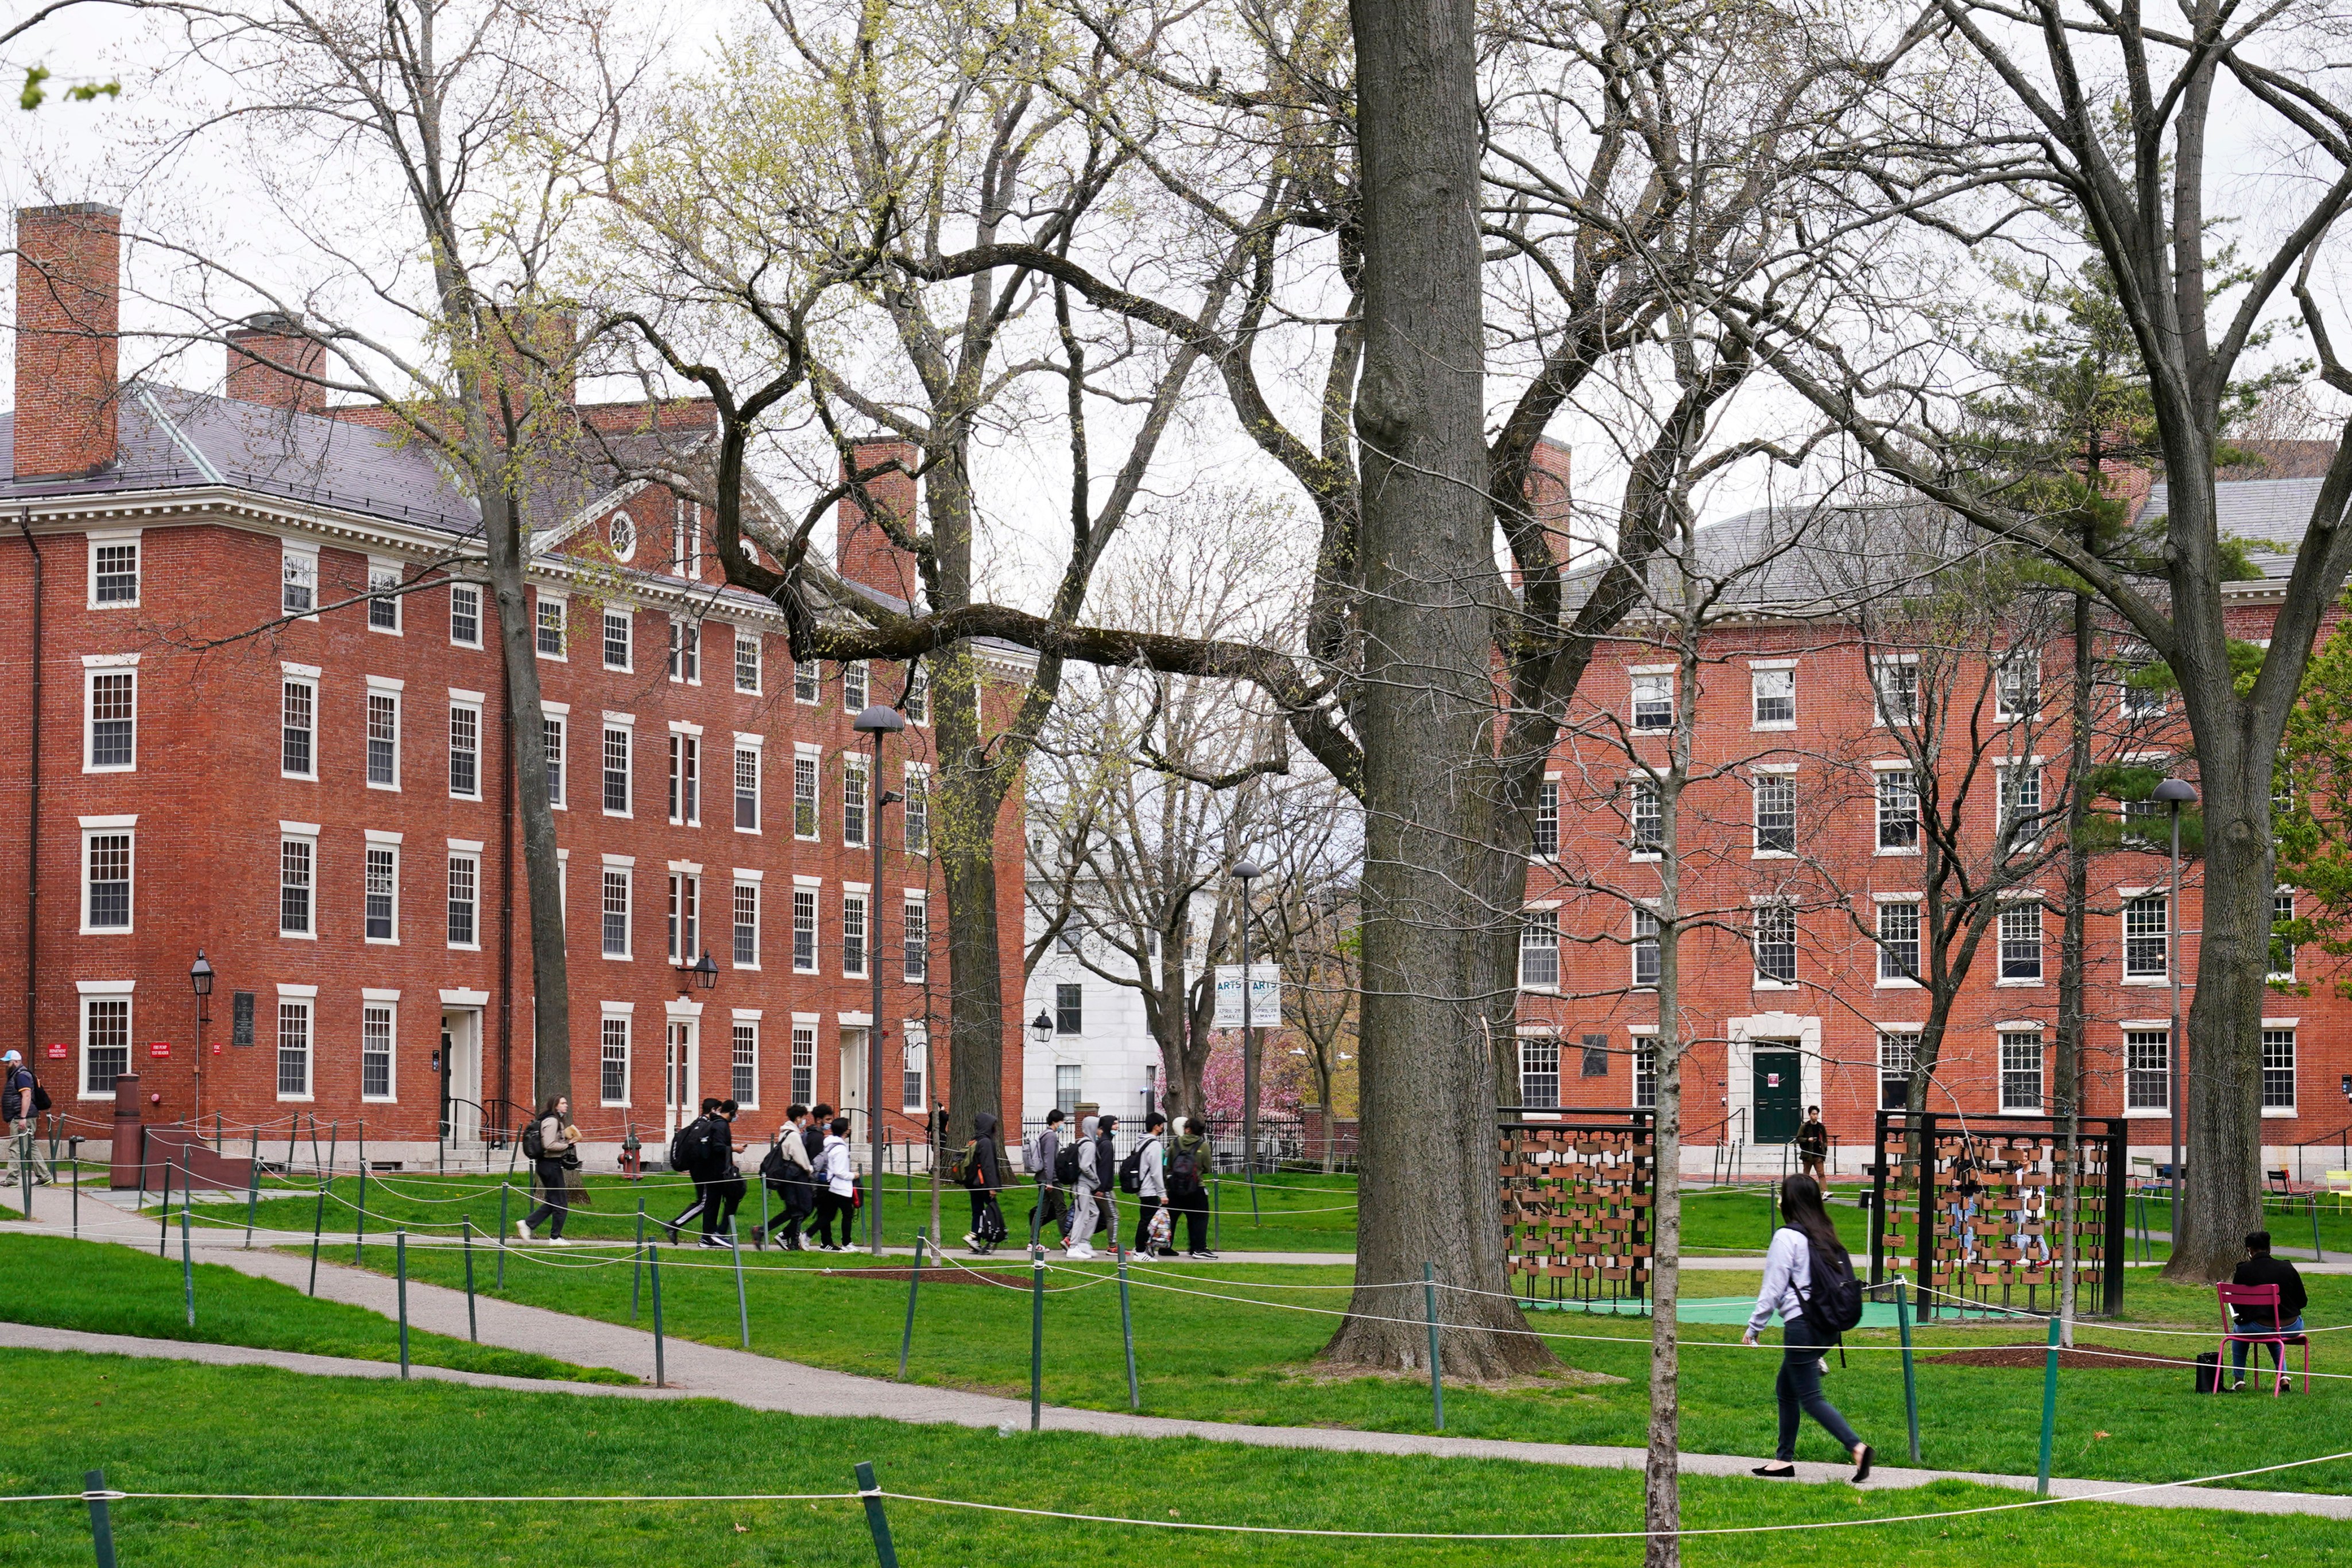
[1037, 1327]
[187, 1258]
[743, 1310]
[2050, 1408]
[399, 1273]
[253, 1193]
[637, 1259]
[101, 1528]
[1910, 1383]
[914, 1281]
[1126, 1325]
[76, 1198]
[1436, 1378]
[875, 1523]
[653, 1272]
[472, 1332]
[318, 1224]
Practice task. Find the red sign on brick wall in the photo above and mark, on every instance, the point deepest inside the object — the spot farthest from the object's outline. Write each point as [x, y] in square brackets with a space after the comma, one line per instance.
[159, 1048]
[57, 1051]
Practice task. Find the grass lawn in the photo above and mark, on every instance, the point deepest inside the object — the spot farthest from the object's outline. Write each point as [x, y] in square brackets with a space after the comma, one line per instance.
[1247, 1360]
[103, 1289]
[264, 1431]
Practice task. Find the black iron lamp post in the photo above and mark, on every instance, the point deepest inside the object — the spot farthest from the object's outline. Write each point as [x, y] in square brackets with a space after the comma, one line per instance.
[2175, 793]
[878, 720]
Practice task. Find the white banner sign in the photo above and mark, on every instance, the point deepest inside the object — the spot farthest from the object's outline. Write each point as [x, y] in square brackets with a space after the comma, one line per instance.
[1265, 994]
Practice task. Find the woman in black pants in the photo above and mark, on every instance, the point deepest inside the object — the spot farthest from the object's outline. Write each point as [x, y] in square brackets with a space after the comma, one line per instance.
[1788, 1283]
[556, 1135]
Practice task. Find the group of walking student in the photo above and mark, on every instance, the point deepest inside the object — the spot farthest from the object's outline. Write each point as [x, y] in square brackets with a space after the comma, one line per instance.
[808, 1168]
[1080, 1178]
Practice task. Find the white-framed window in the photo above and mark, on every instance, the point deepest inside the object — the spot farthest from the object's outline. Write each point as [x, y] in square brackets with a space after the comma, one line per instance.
[747, 923]
[685, 780]
[915, 816]
[1895, 681]
[620, 639]
[1898, 810]
[1775, 814]
[2019, 785]
[1546, 840]
[298, 729]
[1653, 700]
[685, 651]
[1645, 1070]
[804, 684]
[1898, 941]
[1539, 950]
[384, 601]
[612, 1059]
[621, 535]
[686, 537]
[1540, 1071]
[379, 1028]
[1772, 697]
[804, 1063]
[914, 1069]
[1069, 1009]
[743, 1077]
[1649, 958]
[2282, 949]
[381, 892]
[852, 799]
[299, 580]
[685, 918]
[466, 751]
[853, 686]
[2147, 1069]
[1775, 944]
[807, 763]
[615, 770]
[853, 933]
[106, 885]
[550, 740]
[615, 907]
[805, 932]
[383, 738]
[298, 868]
[2137, 695]
[2278, 1068]
[2146, 927]
[109, 720]
[293, 1048]
[2021, 941]
[1898, 1058]
[2021, 1070]
[747, 789]
[1645, 815]
[918, 693]
[747, 661]
[105, 1041]
[551, 625]
[915, 935]
[465, 899]
[1065, 1087]
[2017, 685]
[113, 575]
[466, 614]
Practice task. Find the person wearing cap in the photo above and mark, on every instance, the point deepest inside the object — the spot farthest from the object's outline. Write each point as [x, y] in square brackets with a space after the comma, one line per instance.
[16, 1108]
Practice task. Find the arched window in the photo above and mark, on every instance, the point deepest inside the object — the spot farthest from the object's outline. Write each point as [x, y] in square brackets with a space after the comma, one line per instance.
[621, 533]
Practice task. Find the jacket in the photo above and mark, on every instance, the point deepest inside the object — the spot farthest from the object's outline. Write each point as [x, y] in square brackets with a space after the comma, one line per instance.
[2261, 1269]
[986, 1174]
[1196, 1144]
[834, 1165]
[1151, 1168]
[793, 1147]
[1087, 1177]
[551, 1141]
[1044, 1149]
[1788, 1278]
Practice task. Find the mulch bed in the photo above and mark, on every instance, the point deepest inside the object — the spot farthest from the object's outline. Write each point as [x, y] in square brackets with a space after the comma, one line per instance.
[937, 1275]
[2035, 1356]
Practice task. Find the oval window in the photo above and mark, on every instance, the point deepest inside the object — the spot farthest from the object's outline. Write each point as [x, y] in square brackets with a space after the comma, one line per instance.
[622, 535]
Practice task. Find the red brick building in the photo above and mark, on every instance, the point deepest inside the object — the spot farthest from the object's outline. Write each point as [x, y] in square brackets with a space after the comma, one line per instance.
[1796, 853]
[324, 808]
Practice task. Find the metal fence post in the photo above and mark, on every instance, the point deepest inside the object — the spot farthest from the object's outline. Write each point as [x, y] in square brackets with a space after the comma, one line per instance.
[253, 1193]
[2050, 1409]
[743, 1310]
[101, 1528]
[1126, 1325]
[875, 1523]
[637, 1260]
[358, 1236]
[400, 1272]
[504, 1190]
[1036, 1328]
[318, 1224]
[1436, 1380]
[914, 1282]
[472, 1332]
[163, 1214]
[187, 1258]
[1910, 1381]
[652, 1269]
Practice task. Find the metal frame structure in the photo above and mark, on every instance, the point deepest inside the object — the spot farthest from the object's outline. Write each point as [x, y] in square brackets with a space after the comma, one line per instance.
[1578, 1184]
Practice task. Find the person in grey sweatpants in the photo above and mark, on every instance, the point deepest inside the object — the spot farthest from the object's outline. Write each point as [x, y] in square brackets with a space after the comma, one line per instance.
[1086, 1199]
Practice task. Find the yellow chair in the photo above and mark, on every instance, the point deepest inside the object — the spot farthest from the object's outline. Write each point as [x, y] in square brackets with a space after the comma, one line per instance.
[2338, 1187]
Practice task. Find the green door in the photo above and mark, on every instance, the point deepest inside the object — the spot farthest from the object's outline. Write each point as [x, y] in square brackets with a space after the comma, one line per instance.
[1780, 1096]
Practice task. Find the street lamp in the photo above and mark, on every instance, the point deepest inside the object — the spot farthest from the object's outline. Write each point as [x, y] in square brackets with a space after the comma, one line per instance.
[1246, 872]
[200, 981]
[1041, 1028]
[2175, 793]
[878, 720]
[705, 973]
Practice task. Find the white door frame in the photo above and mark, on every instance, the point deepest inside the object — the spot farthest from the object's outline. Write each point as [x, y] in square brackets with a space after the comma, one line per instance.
[462, 1044]
[681, 1035]
[1779, 1030]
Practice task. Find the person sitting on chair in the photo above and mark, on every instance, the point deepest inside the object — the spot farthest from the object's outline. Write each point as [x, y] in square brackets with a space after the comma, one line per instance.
[2261, 1268]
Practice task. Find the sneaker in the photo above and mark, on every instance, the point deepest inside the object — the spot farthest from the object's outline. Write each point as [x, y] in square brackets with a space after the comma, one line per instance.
[556, 1241]
[971, 1241]
[1081, 1254]
[2239, 1387]
[715, 1243]
[1204, 1255]
[522, 1228]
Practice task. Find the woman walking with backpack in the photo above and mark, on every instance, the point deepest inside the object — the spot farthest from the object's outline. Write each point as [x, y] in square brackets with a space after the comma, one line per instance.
[553, 1132]
[1809, 1282]
[982, 1174]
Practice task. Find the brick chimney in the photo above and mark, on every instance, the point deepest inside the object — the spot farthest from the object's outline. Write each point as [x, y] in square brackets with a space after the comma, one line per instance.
[865, 551]
[268, 357]
[68, 304]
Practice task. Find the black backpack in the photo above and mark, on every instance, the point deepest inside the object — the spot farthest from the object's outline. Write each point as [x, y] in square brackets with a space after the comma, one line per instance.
[1834, 1304]
[1183, 1168]
[1130, 1169]
[689, 1144]
[1065, 1164]
[534, 1146]
[774, 1165]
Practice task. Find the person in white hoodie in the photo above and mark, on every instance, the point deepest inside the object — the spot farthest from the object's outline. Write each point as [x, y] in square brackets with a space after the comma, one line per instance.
[1788, 1285]
[1087, 1200]
[836, 1185]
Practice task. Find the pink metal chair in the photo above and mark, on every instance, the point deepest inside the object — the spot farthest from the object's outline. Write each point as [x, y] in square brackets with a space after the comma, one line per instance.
[2257, 1299]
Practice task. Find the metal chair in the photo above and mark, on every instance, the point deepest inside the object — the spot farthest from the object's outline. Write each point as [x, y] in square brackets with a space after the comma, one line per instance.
[2263, 1299]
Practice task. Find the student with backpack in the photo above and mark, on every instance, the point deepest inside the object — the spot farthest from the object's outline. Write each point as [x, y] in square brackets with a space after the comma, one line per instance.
[547, 1142]
[791, 1175]
[1809, 1282]
[1144, 1173]
[1049, 1216]
[977, 1168]
[688, 1151]
[1188, 1186]
[725, 1183]
[837, 1190]
[1078, 1164]
[22, 1101]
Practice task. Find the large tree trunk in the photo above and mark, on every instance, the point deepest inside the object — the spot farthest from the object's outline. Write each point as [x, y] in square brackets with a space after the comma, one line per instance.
[1429, 1192]
[967, 801]
[1662, 1485]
